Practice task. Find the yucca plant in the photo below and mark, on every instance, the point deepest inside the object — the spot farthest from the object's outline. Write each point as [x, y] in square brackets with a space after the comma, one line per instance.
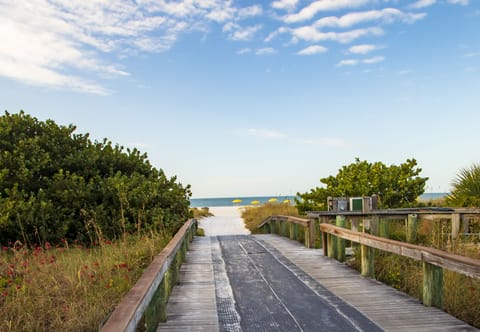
[466, 188]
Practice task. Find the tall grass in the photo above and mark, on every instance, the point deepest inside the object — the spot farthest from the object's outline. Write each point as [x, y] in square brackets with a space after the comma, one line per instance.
[254, 215]
[199, 213]
[69, 287]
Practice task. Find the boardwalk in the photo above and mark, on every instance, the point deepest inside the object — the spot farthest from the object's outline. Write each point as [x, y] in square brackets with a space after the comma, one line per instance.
[192, 305]
[270, 283]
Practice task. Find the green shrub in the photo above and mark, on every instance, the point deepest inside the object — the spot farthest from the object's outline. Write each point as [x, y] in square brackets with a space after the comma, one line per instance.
[57, 185]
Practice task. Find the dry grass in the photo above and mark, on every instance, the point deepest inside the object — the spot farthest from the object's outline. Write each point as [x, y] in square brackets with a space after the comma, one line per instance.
[254, 215]
[69, 287]
[199, 213]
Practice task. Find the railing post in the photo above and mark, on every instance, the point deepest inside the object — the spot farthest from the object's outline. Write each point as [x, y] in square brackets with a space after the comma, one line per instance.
[311, 232]
[455, 225]
[354, 225]
[383, 228]
[331, 246]
[412, 228]
[283, 228]
[306, 239]
[432, 285]
[291, 231]
[268, 228]
[325, 244]
[367, 254]
[340, 222]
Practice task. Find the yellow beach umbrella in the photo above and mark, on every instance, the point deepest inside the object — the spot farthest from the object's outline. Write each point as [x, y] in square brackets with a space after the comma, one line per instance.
[237, 201]
[255, 202]
[287, 201]
[272, 200]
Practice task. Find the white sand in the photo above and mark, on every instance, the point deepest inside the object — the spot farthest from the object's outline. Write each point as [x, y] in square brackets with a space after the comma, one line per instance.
[226, 221]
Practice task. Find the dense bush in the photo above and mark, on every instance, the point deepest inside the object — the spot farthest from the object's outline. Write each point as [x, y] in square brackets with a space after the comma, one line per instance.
[56, 184]
[396, 186]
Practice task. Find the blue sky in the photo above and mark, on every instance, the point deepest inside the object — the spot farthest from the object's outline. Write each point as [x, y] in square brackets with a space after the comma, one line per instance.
[243, 98]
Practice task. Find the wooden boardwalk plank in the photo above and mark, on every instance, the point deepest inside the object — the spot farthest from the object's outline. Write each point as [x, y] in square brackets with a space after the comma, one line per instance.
[389, 308]
[192, 305]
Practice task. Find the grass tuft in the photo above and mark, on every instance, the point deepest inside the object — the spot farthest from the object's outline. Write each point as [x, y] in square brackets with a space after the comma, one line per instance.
[199, 213]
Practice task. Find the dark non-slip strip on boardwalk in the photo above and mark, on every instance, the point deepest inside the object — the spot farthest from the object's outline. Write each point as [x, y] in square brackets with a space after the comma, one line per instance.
[228, 317]
[269, 296]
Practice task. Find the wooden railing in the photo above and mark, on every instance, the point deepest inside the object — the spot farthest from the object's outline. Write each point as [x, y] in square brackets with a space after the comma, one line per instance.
[144, 305]
[319, 233]
[295, 228]
[434, 260]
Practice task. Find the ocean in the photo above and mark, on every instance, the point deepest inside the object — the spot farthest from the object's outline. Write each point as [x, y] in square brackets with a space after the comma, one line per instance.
[228, 201]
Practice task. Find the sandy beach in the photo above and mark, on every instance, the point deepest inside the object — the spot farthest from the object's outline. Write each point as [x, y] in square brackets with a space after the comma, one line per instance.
[227, 220]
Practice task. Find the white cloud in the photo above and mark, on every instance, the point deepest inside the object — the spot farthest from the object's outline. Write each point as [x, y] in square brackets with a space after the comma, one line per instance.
[348, 62]
[471, 55]
[354, 62]
[459, 2]
[315, 7]
[65, 43]
[267, 133]
[422, 4]
[313, 49]
[386, 15]
[265, 51]
[310, 33]
[285, 4]
[373, 60]
[230, 26]
[246, 33]
[363, 48]
[244, 51]
[250, 11]
[275, 33]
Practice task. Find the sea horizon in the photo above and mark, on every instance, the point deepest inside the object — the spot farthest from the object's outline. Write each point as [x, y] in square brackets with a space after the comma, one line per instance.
[259, 200]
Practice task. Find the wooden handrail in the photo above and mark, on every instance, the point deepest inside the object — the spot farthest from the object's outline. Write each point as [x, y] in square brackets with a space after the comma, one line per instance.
[128, 314]
[400, 213]
[295, 220]
[461, 264]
